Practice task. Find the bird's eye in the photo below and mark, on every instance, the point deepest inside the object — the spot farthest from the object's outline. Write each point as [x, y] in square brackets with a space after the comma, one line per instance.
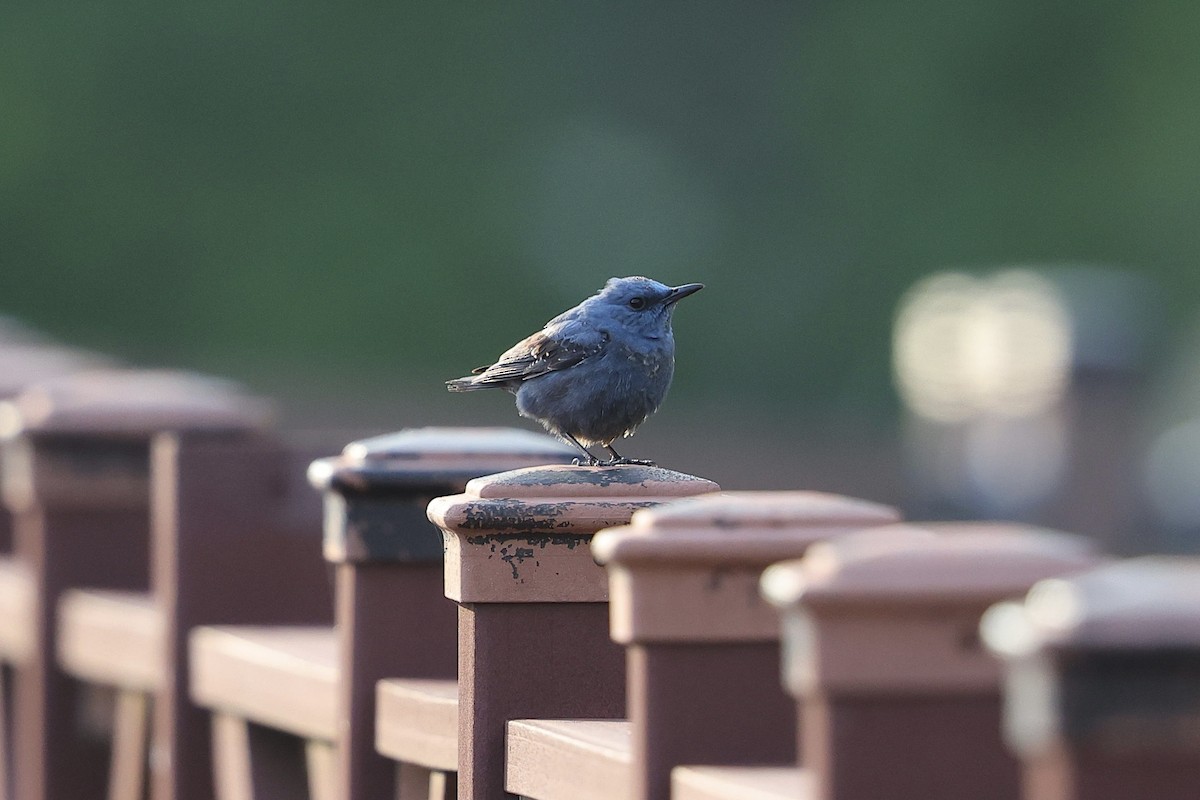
[637, 303]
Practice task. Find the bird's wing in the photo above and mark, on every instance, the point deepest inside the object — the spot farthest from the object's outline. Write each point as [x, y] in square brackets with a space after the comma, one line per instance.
[555, 347]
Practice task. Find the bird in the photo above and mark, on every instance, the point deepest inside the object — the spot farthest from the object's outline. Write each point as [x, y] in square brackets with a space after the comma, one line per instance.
[596, 371]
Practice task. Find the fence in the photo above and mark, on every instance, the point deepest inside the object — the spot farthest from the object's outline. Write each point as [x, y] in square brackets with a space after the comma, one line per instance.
[195, 604]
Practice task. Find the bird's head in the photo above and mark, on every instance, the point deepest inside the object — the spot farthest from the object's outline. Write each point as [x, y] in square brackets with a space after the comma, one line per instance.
[642, 303]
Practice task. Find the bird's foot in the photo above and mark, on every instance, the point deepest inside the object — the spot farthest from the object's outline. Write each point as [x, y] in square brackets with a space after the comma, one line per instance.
[619, 462]
[587, 462]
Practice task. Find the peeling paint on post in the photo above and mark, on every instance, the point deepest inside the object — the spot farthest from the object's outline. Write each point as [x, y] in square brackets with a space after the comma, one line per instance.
[548, 512]
[533, 611]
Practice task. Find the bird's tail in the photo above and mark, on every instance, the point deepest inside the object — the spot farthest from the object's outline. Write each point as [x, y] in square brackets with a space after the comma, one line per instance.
[467, 384]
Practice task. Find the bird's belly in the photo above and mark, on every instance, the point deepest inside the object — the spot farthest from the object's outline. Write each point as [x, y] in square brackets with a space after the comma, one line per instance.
[597, 404]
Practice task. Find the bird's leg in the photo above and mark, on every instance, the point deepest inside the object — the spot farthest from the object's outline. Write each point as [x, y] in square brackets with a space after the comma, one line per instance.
[588, 459]
[617, 459]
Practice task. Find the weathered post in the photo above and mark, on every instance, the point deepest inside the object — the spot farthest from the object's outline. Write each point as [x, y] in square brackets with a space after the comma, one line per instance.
[294, 708]
[25, 360]
[702, 646]
[898, 697]
[235, 539]
[76, 480]
[1103, 681]
[393, 619]
[24, 364]
[533, 613]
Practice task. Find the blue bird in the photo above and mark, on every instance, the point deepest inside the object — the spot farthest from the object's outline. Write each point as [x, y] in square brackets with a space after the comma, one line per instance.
[595, 372]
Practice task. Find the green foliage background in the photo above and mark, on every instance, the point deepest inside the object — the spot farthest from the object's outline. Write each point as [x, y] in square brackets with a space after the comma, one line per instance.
[388, 194]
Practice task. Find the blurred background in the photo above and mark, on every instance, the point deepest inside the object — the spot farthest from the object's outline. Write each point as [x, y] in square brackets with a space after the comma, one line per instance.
[950, 247]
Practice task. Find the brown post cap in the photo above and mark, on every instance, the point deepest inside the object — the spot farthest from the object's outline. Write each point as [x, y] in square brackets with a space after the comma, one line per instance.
[522, 536]
[746, 528]
[131, 404]
[928, 563]
[376, 491]
[896, 608]
[441, 458]
[23, 365]
[1106, 660]
[1138, 604]
[689, 571]
[82, 439]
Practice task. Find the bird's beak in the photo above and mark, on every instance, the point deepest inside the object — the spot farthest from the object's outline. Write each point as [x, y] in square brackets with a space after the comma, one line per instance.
[680, 292]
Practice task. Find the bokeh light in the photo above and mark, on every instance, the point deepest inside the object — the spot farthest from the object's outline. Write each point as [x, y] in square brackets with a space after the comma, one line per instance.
[965, 347]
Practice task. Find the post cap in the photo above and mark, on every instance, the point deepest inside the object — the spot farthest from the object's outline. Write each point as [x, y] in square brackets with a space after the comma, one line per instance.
[521, 536]
[1104, 662]
[1141, 603]
[442, 459]
[737, 528]
[131, 404]
[927, 563]
[688, 571]
[561, 498]
[896, 609]
[25, 364]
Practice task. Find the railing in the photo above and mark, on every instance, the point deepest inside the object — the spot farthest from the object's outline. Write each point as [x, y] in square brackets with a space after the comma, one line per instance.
[197, 606]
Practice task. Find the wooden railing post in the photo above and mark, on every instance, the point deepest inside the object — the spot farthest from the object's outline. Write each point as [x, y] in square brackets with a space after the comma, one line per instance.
[24, 364]
[533, 616]
[236, 538]
[1103, 682]
[899, 699]
[295, 706]
[393, 618]
[25, 361]
[702, 646]
[76, 479]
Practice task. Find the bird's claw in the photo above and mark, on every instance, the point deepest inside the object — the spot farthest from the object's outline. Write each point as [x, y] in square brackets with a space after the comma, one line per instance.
[612, 462]
[619, 462]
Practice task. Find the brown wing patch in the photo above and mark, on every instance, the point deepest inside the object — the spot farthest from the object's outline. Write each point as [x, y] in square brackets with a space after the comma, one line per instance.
[537, 355]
